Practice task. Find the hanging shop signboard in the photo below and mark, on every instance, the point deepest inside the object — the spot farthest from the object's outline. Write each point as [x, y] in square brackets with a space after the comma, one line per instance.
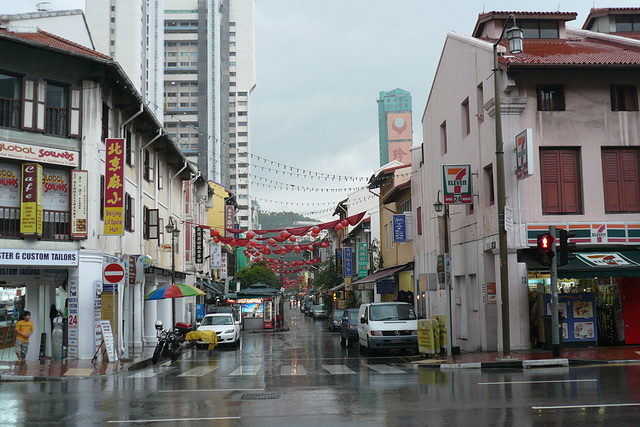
[199, 257]
[114, 187]
[35, 153]
[348, 264]
[362, 259]
[524, 154]
[456, 184]
[31, 201]
[79, 204]
[399, 229]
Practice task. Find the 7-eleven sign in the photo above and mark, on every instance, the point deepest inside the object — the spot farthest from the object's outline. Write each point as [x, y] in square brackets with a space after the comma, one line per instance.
[457, 184]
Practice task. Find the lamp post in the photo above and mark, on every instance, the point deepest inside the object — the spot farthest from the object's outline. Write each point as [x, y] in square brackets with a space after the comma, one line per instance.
[172, 229]
[439, 206]
[515, 36]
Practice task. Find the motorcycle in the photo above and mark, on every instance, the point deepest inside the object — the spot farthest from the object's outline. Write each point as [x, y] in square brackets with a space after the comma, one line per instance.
[170, 341]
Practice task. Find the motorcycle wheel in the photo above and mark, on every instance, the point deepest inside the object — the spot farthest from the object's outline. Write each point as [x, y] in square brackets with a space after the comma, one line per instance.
[176, 351]
[157, 353]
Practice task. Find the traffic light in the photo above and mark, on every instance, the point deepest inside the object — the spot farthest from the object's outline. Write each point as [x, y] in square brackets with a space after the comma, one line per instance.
[565, 247]
[545, 253]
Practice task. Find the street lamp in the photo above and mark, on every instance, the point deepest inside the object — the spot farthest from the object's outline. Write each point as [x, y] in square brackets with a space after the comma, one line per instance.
[173, 229]
[439, 207]
[515, 36]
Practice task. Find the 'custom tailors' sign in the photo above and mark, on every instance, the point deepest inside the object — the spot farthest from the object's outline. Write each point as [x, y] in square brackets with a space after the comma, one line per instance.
[114, 188]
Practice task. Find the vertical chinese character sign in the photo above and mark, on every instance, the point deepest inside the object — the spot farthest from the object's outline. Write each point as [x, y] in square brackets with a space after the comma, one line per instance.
[31, 200]
[114, 188]
[79, 204]
[362, 259]
[348, 267]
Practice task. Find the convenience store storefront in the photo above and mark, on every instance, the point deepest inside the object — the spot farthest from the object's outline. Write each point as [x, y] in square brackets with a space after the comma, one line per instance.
[598, 298]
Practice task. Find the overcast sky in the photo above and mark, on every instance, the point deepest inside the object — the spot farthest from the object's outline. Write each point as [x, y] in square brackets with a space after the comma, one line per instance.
[320, 68]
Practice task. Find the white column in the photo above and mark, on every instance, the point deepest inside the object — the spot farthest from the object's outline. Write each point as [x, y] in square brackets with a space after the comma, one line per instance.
[89, 271]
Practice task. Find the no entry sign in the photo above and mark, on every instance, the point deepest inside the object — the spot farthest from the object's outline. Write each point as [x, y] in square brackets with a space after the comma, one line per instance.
[113, 273]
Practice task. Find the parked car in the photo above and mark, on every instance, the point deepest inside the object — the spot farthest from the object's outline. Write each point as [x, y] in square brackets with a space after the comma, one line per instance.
[306, 307]
[349, 327]
[319, 310]
[226, 327]
[387, 325]
[334, 320]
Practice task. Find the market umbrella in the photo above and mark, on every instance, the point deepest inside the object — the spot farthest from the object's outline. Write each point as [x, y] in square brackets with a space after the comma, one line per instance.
[175, 290]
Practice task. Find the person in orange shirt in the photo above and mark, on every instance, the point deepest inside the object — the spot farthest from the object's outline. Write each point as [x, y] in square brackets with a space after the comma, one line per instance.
[24, 329]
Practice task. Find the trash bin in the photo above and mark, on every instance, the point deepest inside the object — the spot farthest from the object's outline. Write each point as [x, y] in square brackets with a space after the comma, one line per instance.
[546, 321]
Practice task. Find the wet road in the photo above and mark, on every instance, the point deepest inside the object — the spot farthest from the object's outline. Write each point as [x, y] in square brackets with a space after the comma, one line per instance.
[303, 378]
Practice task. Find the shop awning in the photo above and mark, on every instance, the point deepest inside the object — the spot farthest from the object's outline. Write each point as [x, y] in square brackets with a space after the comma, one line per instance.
[384, 273]
[602, 264]
[212, 286]
[337, 288]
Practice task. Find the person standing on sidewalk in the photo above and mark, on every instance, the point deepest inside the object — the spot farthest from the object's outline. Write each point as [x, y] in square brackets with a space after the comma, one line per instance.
[24, 329]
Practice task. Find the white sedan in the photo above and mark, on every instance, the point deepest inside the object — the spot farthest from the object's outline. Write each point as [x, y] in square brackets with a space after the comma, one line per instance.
[224, 325]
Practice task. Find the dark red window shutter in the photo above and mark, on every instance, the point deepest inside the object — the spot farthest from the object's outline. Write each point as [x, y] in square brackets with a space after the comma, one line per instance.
[621, 180]
[560, 181]
[419, 220]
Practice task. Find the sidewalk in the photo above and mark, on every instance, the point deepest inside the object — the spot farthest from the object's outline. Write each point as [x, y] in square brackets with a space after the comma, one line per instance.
[537, 357]
[61, 370]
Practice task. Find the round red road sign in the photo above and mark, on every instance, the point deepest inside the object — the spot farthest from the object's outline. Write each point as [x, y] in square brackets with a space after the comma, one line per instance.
[113, 273]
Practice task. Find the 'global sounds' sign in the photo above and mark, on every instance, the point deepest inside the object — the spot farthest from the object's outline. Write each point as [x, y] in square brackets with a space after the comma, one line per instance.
[34, 153]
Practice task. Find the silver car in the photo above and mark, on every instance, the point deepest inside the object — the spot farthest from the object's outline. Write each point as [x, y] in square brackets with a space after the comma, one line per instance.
[318, 310]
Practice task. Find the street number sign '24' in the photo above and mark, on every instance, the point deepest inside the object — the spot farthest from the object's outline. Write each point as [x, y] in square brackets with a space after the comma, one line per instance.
[456, 180]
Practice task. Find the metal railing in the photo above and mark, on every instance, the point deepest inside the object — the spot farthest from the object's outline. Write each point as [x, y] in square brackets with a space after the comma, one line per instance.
[9, 113]
[56, 225]
[56, 121]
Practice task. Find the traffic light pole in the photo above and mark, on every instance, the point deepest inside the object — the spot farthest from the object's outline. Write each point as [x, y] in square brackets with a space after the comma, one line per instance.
[553, 272]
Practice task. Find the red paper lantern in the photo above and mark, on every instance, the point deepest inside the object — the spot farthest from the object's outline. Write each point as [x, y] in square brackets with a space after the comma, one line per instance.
[297, 249]
[250, 234]
[325, 244]
[344, 222]
[314, 234]
[214, 232]
[310, 247]
[284, 234]
[233, 242]
[272, 242]
[316, 229]
[292, 238]
[216, 240]
[338, 227]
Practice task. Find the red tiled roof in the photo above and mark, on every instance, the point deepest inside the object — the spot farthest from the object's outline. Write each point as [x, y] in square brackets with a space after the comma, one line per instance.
[604, 11]
[51, 40]
[574, 52]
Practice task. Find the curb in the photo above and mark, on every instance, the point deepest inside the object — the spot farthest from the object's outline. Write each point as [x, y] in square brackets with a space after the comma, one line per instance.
[28, 378]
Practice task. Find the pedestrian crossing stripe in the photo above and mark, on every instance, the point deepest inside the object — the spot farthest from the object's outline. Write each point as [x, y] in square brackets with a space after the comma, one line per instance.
[151, 372]
[338, 369]
[385, 369]
[200, 371]
[245, 370]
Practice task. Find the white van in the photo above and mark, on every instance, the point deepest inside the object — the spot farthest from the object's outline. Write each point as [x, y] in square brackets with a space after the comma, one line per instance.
[386, 325]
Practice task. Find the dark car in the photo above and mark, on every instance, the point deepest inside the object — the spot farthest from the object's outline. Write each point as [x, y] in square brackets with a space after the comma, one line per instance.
[306, 307]
[349, 327]
[335, 320]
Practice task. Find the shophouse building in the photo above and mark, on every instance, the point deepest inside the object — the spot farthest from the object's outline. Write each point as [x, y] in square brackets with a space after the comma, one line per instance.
[570, 127]
[88, 178]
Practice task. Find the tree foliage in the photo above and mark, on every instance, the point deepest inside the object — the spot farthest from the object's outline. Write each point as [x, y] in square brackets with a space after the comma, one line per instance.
[257, 273]
[326, 277]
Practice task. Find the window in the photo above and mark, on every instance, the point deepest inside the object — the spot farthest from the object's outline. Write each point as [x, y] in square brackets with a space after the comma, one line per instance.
[539, 29]
[419, 220]
[148, 166]
[480, 104]
[624, 98]
[243, 133]
[10, 90]
[129, 149]
[105, 121]
[151, 224]
[626, 23]
[560, 180]
[232, 64]
[466, 123]
[160, 180]
[551, 98]
[443, 138]
[242, 93]
[621, 180]
[102, 197]
[242, 113]
[129, 212]
[488, 173]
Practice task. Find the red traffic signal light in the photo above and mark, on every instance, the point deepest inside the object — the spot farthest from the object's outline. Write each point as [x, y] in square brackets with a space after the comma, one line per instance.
[545, 252]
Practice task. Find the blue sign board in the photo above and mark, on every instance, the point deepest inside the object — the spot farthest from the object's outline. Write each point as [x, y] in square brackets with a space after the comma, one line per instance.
[399, 228]
[348, 265]
[385, 286]
[200, 311]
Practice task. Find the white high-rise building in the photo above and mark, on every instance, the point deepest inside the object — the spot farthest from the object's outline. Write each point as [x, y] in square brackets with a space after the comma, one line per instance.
[195, 62]
[131, 32]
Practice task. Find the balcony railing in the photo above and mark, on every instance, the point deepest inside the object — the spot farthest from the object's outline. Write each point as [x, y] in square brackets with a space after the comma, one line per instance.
[56, 121]
[9, 113]
[56, 225]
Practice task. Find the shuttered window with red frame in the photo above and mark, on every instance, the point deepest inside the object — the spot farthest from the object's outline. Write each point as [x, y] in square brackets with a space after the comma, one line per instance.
[621, 180]
[560, 181]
